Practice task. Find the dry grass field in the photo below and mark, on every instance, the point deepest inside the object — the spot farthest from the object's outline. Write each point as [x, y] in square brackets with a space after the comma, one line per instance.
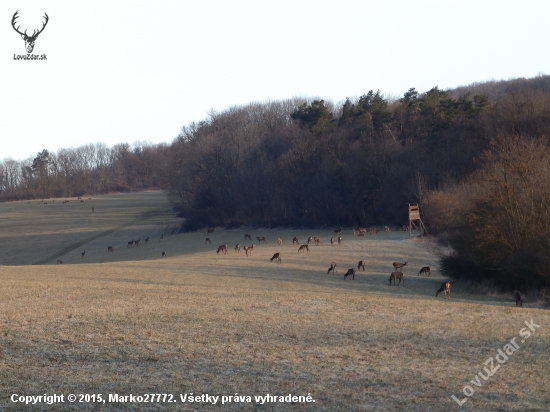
[132, 322]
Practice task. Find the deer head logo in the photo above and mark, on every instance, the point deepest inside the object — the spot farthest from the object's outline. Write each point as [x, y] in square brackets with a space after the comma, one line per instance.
[29, 40]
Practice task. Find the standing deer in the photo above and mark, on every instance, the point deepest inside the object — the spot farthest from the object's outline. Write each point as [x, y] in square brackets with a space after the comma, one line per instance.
[248, 249]
[208, 231]
[362, 230]
[339, 240]
[146, 239]
[425, 269]
[161, 237]
[332, 268]
[260, 239]
[136, 242]
[280, 240]
[398, 265]
[277, 257]
[397, 275]
[222, 248]
[374, 230]
[237, 248]
[110, 249]
[295, 240]
[82, 254]
[517, 297]
[303, 247]
[361, 265]
[163, 254]
[131, 243]
[309, 239]
[332, 240]
[337, 231]
[247, 236]
[59, 262]
[388, 229]
[207, 241]
[445, 288]
[316, 240]
[350, 272]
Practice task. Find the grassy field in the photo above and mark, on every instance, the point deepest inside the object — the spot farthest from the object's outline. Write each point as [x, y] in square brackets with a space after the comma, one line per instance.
[132, 322]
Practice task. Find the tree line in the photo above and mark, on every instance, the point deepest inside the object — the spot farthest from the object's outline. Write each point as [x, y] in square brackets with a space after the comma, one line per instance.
[89, 169]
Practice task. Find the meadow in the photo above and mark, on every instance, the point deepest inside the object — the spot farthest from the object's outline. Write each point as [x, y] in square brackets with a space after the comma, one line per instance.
[198, 322]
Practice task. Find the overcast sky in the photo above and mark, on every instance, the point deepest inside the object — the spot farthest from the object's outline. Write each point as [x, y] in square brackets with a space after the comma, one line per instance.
[127, 71]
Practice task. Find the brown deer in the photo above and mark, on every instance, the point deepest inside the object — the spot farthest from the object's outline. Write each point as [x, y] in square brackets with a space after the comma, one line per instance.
[350, 272]
[146, 239]
[303, 247]
[247, 236]
[280, 240]
[362, 230]
[222, 248]
[387, 228]
[425, 269]
[161, 237]
[517, 297]
[277, 257]
[339, 240]
[163, 254]
[260, 239]
[59, 262]
[398, 265]
[295, 240]
[237, 248]
[309, 239]
[332, 240]
[332, 268]
[361, 265]
[208, 231]
[136, 242]
[207, 241]
[82, 254]
[374, 230]
[445, 288]
[131, 243]
[355, 232]
[397, 275]
[337, 231]
[248, 249]
[110, 249]
[316, 240]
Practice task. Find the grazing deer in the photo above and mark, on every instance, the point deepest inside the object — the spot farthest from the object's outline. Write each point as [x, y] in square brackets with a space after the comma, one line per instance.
[337, 231]
[207, 241]
[397, 275]
[131, 243]
[445, 288]
[222, 248]
[303, 247]
[280, 240]
[247, 236]
[339, 240]
[316, 240]
[295, 240]
[163, 254]
[374, 230]
[146, 239]
[237, 248]
[248, 249]
[332, 240]
[398, 265]
[136, 242]
[361, 265]
[309, 239]
[362, 231]
[110, 249]
[82, 254]
[388, 229]
[425, 269]
[161, 237]
[355, 232]
[517, 297]
[277, 257]
[208, 231]
[260, 239]
[59, 262]
[332, 268]
[350, 272]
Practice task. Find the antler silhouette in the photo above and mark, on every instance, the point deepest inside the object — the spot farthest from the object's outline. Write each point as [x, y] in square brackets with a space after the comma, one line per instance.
[29, 40]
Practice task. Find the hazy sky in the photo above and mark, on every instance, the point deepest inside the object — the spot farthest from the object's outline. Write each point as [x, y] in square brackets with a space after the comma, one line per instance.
[127, 71]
